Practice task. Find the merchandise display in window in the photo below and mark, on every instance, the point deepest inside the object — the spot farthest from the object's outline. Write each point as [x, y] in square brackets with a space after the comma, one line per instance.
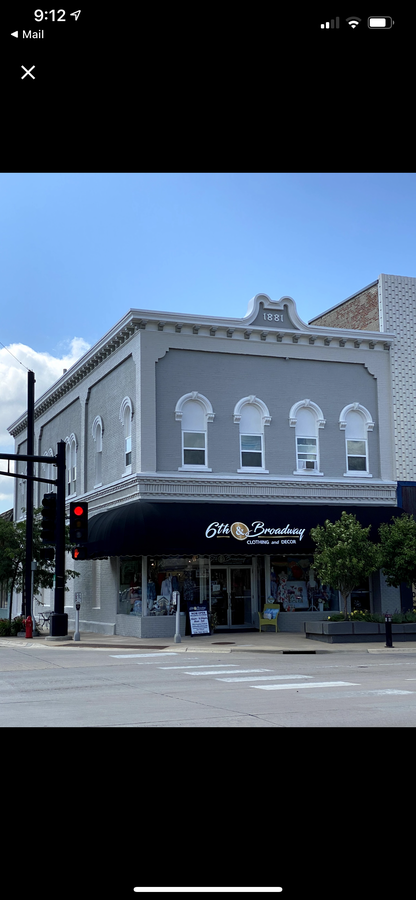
[294, 586]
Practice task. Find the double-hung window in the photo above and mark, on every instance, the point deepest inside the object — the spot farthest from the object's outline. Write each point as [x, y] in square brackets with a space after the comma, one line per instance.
[307, 453]
[126, 416]
[356, 421]
[251, 451]
[194, 412]
[306, 417]
[251, 415]
[194, 448]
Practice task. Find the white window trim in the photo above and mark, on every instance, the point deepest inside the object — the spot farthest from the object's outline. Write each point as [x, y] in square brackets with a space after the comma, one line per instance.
[368, 426]
[266, 418]
[71, 442]
[188, 467]
[209, 417]
[321, 421]
[97, 424]
[252, 469]
[307, 472]
[126, 403]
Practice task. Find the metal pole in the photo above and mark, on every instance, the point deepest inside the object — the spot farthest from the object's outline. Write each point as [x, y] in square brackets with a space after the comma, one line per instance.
[77, 608]
[177, 639]
[29, 491]
[59, 618]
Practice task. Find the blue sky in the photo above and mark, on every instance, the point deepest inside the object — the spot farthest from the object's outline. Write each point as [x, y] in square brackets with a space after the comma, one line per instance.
[78, 250]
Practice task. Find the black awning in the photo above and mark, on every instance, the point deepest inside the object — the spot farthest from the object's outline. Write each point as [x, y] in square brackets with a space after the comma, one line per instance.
[150, 529]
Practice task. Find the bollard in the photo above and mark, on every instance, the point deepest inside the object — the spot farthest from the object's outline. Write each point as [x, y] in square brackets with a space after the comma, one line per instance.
[387, 619]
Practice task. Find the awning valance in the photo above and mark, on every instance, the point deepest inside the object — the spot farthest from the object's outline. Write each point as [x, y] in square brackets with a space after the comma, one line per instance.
[146, 528]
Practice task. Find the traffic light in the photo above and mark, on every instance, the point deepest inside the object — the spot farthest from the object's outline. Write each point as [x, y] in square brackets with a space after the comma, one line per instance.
[48, 529]
[79, 553]
[78, 523]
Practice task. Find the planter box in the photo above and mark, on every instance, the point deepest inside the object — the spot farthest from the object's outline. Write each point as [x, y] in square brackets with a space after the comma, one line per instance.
[358, 632]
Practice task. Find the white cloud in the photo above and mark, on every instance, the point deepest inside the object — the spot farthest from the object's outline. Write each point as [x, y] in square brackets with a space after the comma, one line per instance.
[13, 392]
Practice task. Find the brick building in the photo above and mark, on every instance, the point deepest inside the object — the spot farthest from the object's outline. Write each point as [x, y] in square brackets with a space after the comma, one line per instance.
[389, 304]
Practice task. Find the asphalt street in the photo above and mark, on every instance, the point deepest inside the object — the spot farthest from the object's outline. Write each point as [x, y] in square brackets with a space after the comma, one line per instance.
[52, 686]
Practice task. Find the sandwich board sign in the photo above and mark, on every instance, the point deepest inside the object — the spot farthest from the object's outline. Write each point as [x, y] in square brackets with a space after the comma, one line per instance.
[198, 618]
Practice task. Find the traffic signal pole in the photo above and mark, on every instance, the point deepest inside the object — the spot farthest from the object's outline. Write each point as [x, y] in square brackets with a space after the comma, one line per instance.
[29, 491]
[59, 618]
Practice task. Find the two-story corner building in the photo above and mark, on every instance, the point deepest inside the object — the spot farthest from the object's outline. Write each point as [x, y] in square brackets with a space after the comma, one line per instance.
[207, 448]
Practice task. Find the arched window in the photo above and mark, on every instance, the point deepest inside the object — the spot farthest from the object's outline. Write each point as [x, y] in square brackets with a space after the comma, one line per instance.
[71, 464]
[356, 421]
[306, 418]
[97, 434]
[251, 415]
[48, 471]
[126, 416]
[194, 411]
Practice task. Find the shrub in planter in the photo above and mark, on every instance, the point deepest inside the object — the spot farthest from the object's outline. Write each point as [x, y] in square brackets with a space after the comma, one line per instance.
[17, 624]
[5, 627]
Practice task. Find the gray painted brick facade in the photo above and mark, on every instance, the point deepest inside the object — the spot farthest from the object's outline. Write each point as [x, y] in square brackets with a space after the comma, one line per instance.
[154, 359]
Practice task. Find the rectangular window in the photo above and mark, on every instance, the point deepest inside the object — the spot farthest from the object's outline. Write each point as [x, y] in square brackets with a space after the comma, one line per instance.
[98, 467]
[127, 445]
[306, 453]
[251, 451]
[194, 446]
[74, 479]
[357, 456]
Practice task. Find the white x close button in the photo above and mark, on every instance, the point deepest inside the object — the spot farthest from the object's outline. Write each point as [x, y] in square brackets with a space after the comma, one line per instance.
[28, 72]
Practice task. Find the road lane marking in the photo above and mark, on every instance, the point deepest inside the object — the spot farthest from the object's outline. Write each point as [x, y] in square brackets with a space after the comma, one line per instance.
[264, 677]
[137, 655]
[315, 684]
[225, 671]
[209, 666]
[208, 890]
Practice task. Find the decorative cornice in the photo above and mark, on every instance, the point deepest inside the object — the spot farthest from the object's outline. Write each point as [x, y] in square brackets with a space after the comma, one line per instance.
[203, 326]
[267, 490]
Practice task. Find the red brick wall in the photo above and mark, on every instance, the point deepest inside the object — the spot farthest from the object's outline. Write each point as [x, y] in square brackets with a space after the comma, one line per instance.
[360, 312]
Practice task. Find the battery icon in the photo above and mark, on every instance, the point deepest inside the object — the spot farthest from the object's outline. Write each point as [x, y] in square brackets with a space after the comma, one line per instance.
[380, 22]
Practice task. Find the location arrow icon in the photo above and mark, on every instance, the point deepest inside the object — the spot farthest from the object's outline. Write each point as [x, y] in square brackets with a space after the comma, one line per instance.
[15, 34]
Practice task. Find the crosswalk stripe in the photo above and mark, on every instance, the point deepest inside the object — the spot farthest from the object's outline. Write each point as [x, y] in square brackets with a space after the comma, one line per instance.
[264, 677]
[315, 684]
[224, 671]
[137, 655]
[209, 666]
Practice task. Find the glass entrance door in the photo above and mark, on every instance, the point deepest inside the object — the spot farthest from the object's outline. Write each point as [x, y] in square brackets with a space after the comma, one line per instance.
[231, 595]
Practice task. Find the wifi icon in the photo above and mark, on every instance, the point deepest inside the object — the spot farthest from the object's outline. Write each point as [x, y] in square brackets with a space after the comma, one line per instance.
[353, 21]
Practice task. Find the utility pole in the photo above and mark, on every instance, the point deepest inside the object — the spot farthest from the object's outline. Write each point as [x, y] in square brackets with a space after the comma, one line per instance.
[29, 490]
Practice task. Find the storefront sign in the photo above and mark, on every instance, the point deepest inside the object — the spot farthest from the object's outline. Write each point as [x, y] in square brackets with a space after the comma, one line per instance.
[198, 617]
[257, 533]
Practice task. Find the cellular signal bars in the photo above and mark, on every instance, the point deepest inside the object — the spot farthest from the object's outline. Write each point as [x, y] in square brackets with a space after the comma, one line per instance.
[331, 24]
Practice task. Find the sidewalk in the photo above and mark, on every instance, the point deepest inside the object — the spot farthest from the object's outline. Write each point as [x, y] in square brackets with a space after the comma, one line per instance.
[283, 642]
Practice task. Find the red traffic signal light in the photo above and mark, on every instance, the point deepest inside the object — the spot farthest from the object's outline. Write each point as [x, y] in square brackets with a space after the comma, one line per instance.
[79, 553]
[78, 522]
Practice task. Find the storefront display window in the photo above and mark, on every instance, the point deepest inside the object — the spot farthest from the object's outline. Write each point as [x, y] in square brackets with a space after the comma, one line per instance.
[130, 592]
[294, 585]
[166, 575]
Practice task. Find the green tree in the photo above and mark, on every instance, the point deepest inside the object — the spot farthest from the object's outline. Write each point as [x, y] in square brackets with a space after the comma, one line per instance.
[344, 554]
[13, 557]
[398, 550]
